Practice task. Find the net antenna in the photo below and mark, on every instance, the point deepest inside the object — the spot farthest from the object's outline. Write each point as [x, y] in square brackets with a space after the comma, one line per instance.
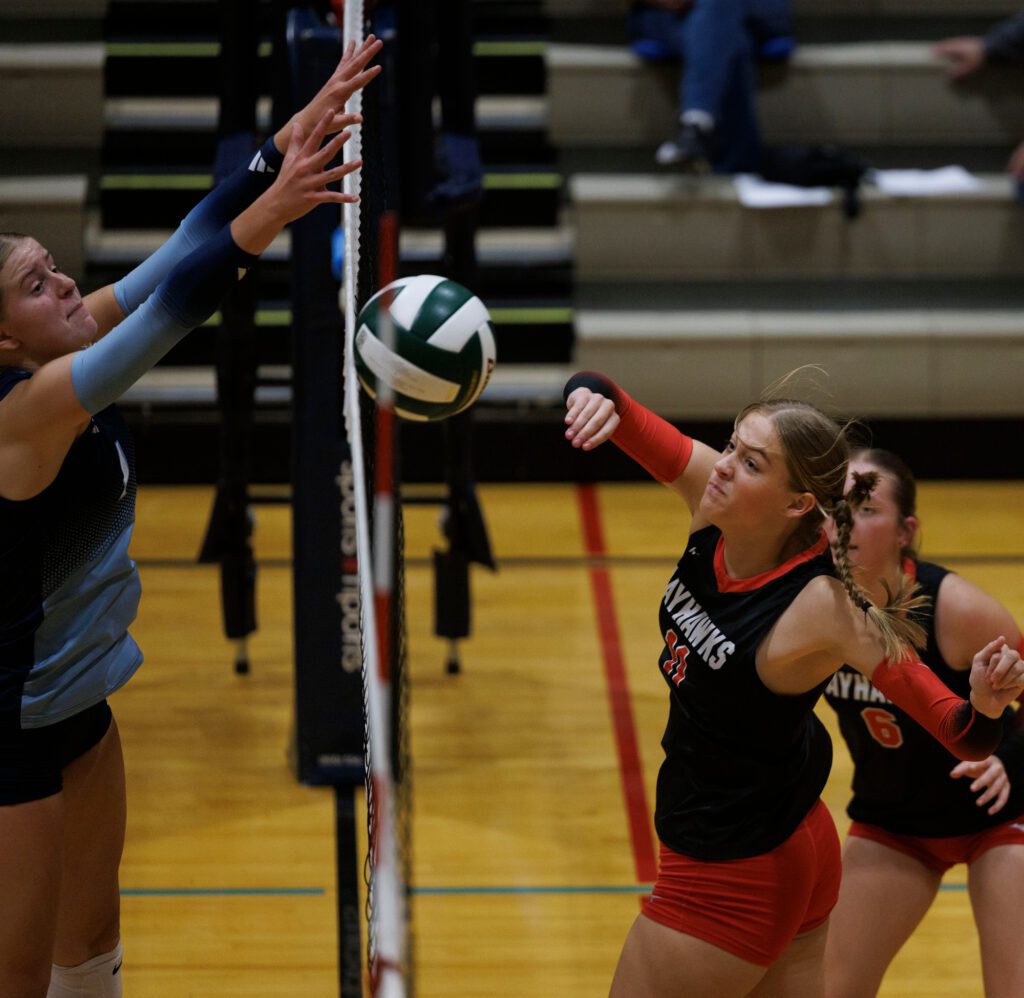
[387, 891]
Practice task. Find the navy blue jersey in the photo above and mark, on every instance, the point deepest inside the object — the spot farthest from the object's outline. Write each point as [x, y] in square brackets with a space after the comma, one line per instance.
[70, 590]
[743, 765]
[901, 778]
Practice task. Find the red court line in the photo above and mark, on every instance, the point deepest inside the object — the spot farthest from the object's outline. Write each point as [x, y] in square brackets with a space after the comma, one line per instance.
[630, 770]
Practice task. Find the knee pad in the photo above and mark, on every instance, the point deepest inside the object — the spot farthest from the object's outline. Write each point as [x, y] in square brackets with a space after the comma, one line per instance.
[99, 977]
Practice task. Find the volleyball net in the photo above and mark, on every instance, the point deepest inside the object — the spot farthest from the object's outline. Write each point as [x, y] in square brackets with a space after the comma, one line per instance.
[371, 262]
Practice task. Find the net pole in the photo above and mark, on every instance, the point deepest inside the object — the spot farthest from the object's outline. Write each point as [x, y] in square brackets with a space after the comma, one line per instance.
[387, 894]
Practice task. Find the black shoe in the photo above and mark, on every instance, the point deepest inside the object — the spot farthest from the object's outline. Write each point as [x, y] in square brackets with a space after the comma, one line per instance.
[690, 150]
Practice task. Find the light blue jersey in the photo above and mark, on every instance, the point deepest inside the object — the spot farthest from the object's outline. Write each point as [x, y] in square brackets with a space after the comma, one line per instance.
[70, 589]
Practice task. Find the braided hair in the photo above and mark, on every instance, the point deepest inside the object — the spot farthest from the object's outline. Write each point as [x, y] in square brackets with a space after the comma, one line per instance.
[817, 454]
[895, 620]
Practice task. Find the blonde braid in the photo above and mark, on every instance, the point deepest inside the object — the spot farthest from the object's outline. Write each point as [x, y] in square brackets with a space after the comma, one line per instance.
[900, 632]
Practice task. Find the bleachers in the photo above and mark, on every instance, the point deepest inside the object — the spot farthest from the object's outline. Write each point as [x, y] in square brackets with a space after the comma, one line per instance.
[697, 302]
[51, 119]
[588, 255]
[862, 93]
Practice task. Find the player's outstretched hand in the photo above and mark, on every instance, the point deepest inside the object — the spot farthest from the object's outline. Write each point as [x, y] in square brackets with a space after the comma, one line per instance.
[350, 75]
[997, 677]
[300, 185]
[990, 778]
[591, 419]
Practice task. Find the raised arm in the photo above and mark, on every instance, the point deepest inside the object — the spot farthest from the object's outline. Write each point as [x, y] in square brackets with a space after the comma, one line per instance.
[599, 410]
[822, 629]
[110, 304]
[41, 416]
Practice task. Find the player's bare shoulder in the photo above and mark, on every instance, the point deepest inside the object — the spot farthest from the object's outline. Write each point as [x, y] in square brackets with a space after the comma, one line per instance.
[816, 623]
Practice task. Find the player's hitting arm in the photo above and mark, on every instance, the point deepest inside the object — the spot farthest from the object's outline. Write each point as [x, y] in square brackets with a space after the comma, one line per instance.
[599, 410]
[822, 629]
[970, 729]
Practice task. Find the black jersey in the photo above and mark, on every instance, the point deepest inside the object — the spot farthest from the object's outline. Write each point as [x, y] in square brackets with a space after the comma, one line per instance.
[743, 765]
[901, 778]
[70, 589]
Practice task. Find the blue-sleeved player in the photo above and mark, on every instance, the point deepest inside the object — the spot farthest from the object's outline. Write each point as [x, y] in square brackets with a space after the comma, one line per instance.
[67, 500]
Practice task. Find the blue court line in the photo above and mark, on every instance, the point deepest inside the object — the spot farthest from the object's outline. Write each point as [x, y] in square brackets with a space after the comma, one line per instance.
[419, 891]
[608, 889]
[222, 891]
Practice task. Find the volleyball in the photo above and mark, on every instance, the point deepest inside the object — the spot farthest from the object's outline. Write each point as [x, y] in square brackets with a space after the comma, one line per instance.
[442, 349]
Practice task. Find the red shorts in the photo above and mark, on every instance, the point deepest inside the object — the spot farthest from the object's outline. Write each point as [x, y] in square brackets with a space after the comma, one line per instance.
[753, 908]
[940, 853]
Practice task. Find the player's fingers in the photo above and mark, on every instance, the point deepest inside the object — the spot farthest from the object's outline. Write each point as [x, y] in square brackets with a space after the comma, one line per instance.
[345, 118]
[584, 415]
[597, 429]
[985, 655]
[326, 196]
[576, 403]
[330, 150]
[990, 787]
[1005, 669]
[966, 769]
[605, 433]
[357, 82]
[339, 172]
[361, 56]
[1004, 796]
[312, 145]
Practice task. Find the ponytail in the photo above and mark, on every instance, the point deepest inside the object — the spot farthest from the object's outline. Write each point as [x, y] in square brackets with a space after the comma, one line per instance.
[900, 632]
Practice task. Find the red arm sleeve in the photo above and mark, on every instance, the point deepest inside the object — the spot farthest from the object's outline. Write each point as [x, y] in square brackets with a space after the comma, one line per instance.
[656, 445]
[914, 688]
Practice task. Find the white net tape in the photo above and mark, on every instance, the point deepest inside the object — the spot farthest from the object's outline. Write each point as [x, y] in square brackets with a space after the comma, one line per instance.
[387, 922]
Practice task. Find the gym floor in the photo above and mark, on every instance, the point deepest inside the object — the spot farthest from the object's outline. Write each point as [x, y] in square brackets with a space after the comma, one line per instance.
[534, 768]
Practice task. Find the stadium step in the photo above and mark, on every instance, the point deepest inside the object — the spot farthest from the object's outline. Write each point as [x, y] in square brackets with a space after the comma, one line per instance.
[881, 363]
[874, 92]
[152, 131]
[587, 9]
[653, 227]
[52, 95]
[50, 208]
[538, 385]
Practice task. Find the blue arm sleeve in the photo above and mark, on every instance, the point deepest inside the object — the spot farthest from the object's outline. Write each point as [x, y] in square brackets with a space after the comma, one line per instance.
[190, 294]
[233, 194]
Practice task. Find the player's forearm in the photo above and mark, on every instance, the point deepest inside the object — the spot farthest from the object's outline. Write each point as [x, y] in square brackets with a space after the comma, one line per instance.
[227, 200]
[184, 300]
[964, 730]
[655, 444]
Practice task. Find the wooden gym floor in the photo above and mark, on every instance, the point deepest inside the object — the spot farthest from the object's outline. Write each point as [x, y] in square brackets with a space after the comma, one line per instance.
[534, 768]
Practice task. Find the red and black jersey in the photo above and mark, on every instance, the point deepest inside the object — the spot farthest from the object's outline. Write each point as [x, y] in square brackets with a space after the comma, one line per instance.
[901, 778]
[743, 765]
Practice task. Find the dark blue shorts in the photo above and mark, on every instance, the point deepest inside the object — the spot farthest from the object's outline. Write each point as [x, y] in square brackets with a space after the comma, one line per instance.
[32, 759]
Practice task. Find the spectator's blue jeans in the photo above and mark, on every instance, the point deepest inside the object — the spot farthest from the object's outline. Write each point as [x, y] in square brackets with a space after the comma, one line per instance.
[718, 74]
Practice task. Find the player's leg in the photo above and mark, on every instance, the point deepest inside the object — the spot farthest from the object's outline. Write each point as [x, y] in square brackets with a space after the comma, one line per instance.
[799, 971]
[30, 875]
[883, 897]
[659, 962]
[88, 926]
[996, 884]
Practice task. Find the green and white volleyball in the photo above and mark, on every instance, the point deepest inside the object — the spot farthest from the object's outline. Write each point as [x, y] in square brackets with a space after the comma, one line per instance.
[441, 350]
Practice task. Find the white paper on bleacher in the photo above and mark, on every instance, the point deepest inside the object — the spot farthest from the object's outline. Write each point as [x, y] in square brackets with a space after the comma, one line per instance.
[754, 192]
[925, 183]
